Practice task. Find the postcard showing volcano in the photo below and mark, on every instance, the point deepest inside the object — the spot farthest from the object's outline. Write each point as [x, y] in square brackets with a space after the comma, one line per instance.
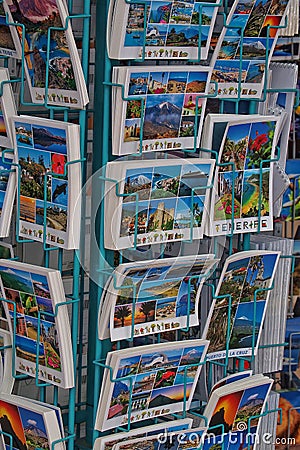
[237, 314]
[151, 382]
[165, 110]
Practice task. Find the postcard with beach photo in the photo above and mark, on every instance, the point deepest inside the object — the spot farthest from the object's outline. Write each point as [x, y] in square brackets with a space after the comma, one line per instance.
[150, 381]
[49, 183]
[242, 198]
[30, 295]
[59, 82]
[236, 316]
[165, 200]
[248, 39]
[163, 108]
[155, 297]
[173, 30]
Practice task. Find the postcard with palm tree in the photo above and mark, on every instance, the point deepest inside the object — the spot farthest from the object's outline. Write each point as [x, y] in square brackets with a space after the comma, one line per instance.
[155, 297]
[242, 199]
[170, 30]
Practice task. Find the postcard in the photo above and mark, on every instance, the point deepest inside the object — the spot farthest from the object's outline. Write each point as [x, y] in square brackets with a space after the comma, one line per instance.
[41, 333]
[149, 381]
[166, 200]
[58, 81]
[164, 107]
[242, 198]
[109, 442]
[153, 297]
[7, 380]
[49, 184]
[233, 408]
[236, 316]
[26, 425]
[162, 29]
[245, 47]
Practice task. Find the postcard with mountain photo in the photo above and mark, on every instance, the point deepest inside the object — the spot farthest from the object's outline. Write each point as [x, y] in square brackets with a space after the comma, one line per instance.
[30, 295]
[165, 107]
[232, 408]
[28, 425]
[154, 380]
[237, 314]
[66, 84]
[154, 297]
[258, 23]
[165, 200]
[174, 30]
[46, 149]
[242, 198]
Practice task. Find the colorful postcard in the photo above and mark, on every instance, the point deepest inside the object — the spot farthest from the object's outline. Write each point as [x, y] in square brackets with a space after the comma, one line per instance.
[7, 46]
[165, 201]
[165, 108]
[233, 413]
[161, 297]
[150, 381]
[27, 425]
[162, 29]
[242, 199]
[48, 187]
[61, 79]
[237, 313]
[109, 442]
[288, 424]
[247, 42]
[30, 307]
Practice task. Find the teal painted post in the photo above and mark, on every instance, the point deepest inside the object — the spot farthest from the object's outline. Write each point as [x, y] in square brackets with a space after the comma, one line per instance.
[96, 348]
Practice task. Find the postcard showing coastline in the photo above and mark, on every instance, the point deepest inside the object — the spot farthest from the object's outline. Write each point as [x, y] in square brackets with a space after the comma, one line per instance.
[168, 110]
[109, 442]
[171, 197]
[27, 425]
[44, 150]
[242, 198]
[161, 376]
[60, 77]
[158, 298]
[236, 316]
[245, 47]
[173, 29]
[230, 410]
[30, 310]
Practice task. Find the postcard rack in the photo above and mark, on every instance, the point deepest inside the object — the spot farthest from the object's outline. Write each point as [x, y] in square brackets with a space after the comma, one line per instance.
[103, 261]
[54, 256]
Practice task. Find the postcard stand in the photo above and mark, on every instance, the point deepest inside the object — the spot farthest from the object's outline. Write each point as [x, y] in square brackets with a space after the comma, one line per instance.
[76, 298]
